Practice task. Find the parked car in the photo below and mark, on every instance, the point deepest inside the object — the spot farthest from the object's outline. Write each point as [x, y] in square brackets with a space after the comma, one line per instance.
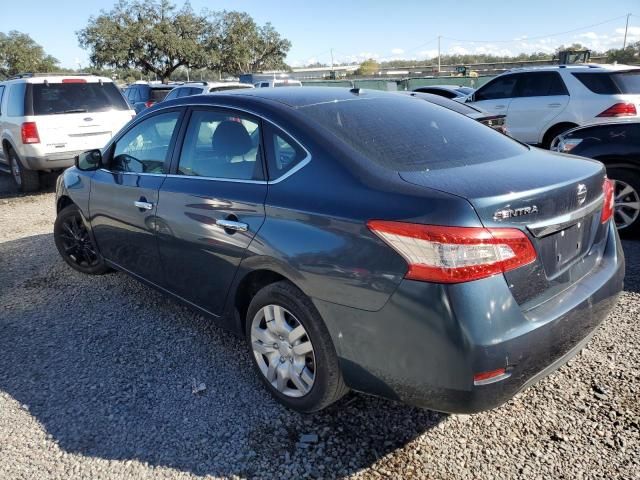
[48, 119]
[144, 95]
[543, 102]
[356, 239]
[280, 82]
[452, 92]
[497, 122]
[198, 88]
[617, 145]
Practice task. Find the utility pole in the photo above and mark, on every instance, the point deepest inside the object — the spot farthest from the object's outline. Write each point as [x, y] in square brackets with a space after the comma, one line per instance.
[624, 43]
[331, 59]
[439, 36]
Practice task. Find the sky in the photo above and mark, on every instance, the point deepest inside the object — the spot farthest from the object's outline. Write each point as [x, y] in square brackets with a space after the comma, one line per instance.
[384, 30]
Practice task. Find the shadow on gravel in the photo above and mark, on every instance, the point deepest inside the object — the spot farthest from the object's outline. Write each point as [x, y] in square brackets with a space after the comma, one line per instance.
[632, 264]
[107, 366]
[8, 188]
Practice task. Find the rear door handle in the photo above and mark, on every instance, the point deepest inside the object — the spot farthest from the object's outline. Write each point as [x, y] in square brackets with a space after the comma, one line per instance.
[143, 205]
[231, 225]
[499, 107]
[554, 105]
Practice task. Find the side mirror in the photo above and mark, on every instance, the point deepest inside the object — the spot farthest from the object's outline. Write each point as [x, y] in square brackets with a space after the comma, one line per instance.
[89, 160]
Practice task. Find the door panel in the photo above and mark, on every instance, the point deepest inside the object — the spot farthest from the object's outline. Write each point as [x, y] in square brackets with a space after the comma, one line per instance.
[495, 96]
[219, 178]
[124, 196]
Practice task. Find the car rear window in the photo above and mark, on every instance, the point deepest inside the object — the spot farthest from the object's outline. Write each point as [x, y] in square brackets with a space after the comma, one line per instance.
[60, 98]
[157, 94]
[611, 83]
[408, 134]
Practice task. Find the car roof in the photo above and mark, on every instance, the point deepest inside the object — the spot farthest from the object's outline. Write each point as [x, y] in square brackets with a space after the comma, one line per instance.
[43, 78]
[582, 67]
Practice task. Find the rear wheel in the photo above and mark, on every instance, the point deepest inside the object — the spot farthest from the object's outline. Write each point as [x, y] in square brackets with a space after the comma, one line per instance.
[292, 350]
[26, 180]
[627, 200]
[74, 243]
[553, 132]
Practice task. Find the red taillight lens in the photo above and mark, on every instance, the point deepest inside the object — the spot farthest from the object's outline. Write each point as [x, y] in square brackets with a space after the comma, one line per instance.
[492, 376]
[619, 110]
[608, 189]
[455, 254]
[149, 103]
[29, 132]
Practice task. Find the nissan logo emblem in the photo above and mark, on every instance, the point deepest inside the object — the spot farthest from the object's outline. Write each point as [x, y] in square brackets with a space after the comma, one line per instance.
[582, 193]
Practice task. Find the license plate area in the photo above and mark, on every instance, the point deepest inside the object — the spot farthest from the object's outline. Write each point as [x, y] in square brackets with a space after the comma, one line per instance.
[569, 243]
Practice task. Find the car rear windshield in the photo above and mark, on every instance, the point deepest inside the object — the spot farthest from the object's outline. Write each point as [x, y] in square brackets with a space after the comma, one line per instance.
[59, 98]
[408, 134]
[157, 94]
[611, 83]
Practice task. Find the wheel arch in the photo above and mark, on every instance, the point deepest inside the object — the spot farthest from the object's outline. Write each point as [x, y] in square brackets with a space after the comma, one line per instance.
[63, 202]
[550, 133]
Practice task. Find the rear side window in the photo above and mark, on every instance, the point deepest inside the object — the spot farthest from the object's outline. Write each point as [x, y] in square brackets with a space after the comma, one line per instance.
[1, 96]
[60, 98]
[407, 134]
[611, 83]
[15, 104]
[283, 152]
[502, 87]
[541, 84]
[222, 145]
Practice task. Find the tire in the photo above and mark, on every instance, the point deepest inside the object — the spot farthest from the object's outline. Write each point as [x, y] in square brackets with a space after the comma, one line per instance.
[553, 132]
[627, 210]
[321, 363]
[26, 180]
[75, 244]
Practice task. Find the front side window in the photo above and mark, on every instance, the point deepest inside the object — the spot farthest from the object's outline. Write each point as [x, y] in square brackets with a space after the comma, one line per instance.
[223, 145]
[502, 87]
[15, 104]
[145, 147]
[541, 84]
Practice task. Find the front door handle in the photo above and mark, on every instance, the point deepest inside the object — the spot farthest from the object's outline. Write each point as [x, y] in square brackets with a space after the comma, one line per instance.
[500, 107]
[143, 205]
[233, 226]
[554, 105]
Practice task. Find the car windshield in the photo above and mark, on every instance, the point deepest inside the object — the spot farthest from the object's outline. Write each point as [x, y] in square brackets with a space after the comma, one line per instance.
[407, 134]
[81, 97]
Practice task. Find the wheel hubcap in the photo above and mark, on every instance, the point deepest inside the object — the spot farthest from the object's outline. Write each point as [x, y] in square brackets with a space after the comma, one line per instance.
[627, 204]
[283, 351]
[77, 243]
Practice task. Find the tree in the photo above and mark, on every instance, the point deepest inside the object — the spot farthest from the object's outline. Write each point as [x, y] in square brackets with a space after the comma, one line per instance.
[629, 55]
[247, 47]
[152, 36]
[20, 53]
[155, 37]
[368, 67]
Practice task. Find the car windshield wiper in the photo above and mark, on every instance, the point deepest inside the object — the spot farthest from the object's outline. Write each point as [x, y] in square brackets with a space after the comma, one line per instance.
[76, 110]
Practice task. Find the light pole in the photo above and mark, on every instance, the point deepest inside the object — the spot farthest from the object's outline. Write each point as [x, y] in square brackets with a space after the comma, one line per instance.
[439, 36]
[624, 43]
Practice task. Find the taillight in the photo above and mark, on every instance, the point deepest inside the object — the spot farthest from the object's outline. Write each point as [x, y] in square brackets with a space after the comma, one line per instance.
[619, 110]
[29, 132]
[74, 80]
[608, 189]
[455, 254]
[149, 103]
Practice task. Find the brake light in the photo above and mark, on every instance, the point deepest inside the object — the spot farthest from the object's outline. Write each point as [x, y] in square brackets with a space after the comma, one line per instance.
[149, 103]
[29, 133]
[619, 110]
[608, 189]
[455, 254]
[74, 80]
[492, 376]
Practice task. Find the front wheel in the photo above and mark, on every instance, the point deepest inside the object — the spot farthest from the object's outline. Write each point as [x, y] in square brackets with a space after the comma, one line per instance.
[74, 243]
[627, 199]
[292, 350]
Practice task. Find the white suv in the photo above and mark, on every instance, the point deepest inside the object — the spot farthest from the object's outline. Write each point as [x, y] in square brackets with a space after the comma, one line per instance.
[543, 102]
[48, 119]
[198, 88]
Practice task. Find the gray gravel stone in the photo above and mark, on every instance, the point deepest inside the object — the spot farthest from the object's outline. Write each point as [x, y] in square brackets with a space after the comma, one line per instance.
[96, 381]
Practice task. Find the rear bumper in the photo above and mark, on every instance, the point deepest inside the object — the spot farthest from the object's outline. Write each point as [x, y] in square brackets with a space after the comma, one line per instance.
[429, 340]
[52, 161]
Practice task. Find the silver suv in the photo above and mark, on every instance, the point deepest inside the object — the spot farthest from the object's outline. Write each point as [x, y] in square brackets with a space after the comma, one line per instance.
[48, 119]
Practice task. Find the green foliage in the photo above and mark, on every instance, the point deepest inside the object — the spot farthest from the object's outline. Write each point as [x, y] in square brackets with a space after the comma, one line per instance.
[368, 67]
[156, 37]
[628, 56]
[20, 53]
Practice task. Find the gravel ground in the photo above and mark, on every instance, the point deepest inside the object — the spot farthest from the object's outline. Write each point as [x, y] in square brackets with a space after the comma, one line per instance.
[97, 379]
